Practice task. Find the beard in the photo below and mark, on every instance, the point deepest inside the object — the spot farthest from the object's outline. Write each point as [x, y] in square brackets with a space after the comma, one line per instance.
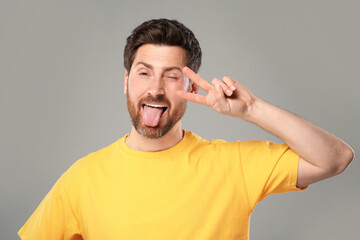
[166, 122]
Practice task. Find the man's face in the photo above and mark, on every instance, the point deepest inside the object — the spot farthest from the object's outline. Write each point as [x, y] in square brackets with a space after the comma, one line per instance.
[151, 86]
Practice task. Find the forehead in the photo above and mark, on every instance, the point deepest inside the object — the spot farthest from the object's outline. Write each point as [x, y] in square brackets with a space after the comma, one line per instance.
[161, 56]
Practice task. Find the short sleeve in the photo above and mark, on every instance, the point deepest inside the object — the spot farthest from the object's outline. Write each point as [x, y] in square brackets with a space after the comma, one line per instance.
[54, 218]
[268, 168]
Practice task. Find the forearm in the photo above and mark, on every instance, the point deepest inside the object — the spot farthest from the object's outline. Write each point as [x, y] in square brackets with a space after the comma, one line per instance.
[321, 153]
[313, 144]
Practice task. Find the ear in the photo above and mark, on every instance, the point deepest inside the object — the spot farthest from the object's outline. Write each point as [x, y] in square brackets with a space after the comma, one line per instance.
[193, 87]
[126, 79]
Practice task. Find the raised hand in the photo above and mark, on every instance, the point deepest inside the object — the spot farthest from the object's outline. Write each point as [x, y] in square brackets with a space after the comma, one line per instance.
[225, 96]
[325, 154]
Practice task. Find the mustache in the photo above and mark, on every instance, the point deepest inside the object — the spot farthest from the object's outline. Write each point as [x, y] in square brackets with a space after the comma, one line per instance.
[157, 99]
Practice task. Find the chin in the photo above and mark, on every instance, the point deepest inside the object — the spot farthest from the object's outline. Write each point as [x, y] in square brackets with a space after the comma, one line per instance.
[153, 132]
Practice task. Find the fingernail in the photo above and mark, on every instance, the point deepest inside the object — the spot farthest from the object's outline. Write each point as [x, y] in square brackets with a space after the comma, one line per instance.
[228, 92]
[233, 87]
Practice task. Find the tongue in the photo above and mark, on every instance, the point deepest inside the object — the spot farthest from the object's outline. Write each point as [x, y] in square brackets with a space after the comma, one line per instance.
[152, 116]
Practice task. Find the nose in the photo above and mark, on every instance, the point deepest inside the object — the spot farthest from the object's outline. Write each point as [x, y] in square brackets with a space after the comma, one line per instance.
[156, 87]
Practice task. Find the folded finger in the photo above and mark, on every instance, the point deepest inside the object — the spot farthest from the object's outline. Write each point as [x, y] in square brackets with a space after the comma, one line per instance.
[229, 82]
[225, 88]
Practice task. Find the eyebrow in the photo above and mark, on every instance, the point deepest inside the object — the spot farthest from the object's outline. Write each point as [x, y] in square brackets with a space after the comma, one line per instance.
[166, 69]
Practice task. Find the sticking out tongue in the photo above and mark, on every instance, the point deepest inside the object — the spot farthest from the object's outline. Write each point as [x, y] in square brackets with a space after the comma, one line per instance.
[151, 116]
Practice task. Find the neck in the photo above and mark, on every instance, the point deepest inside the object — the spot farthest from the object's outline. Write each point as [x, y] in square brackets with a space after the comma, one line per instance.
[138, 142]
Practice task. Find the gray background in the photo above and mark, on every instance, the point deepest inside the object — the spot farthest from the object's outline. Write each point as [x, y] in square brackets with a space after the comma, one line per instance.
[62, 81]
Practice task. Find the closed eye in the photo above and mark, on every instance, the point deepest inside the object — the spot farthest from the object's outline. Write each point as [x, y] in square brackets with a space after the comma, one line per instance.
[173, 77]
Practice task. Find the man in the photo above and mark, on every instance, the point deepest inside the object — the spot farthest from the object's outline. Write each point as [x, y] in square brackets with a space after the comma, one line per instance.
[162, 182]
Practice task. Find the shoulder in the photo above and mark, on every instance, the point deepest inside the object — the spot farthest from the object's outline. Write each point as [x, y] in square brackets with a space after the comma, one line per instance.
[93, 160]
[213, 145]
[261, 147]
[250, 149]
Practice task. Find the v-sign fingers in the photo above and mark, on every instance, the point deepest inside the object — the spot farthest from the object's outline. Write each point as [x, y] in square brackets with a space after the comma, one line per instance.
[197, 79]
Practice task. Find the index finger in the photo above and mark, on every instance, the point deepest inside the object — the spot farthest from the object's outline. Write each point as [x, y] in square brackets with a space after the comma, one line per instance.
[197, 79]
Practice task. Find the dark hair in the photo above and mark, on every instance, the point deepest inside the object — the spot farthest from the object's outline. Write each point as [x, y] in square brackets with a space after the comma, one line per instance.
[163, 32]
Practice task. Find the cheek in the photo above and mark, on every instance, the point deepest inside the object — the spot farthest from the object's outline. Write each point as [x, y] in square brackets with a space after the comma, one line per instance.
[180, 85]
[135, 89]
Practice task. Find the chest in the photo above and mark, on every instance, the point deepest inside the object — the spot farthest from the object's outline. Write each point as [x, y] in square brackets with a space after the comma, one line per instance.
[164, 201]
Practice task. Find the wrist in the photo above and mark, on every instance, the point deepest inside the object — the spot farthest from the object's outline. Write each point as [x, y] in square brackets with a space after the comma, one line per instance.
[254, 110]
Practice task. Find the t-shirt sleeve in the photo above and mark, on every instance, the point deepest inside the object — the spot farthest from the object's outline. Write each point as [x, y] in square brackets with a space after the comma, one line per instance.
[54, 218]
[268, 168]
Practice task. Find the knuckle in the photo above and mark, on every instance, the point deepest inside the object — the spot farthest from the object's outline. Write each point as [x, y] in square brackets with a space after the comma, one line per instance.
[214, 81]
[228, 79]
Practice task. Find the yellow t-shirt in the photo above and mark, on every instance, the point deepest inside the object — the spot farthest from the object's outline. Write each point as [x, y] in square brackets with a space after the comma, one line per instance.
[195, 190]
